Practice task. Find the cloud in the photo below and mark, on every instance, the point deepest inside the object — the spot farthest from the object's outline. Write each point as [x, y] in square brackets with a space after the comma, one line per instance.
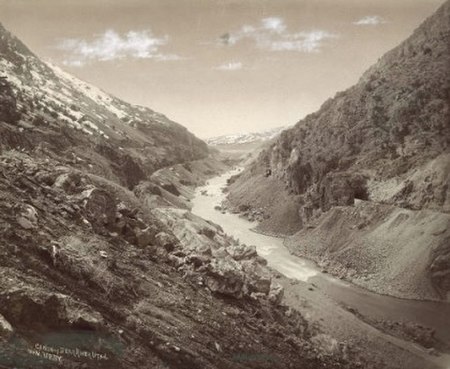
[370, 20]
[110, 45]
[230, 66]
[271, 34]
[274, 24]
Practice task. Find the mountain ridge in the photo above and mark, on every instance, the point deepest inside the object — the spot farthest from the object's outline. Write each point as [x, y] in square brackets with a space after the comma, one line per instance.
[50, 100]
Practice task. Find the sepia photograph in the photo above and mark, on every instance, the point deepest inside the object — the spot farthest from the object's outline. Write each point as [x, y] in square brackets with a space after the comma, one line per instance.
[224, 184]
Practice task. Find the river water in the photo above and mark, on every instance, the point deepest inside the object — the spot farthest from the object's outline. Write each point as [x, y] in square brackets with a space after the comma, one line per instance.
[431, 314]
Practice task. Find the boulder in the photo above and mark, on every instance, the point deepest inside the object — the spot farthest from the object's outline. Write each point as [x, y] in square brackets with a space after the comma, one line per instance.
[176, 261]
[258, 277]
[45, 177]
[208, 232]
[167, 241]
[100, 207]
[276, 293]
[261, 260]
[69, 182]
[225, 276]
[241, 252]
[203, 249]
[244, 207]
[221, 252]
[25, 223]
[28, 217]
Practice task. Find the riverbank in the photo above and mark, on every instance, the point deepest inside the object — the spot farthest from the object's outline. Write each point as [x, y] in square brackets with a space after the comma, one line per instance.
[380, 247]
[392, 324]
[384, 248]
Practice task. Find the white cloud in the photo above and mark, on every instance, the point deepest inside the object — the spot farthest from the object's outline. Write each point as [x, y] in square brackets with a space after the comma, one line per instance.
[370, 20]
[110, 45]
[271, 34]
[274, 24]
[308, 42]
[230, 66]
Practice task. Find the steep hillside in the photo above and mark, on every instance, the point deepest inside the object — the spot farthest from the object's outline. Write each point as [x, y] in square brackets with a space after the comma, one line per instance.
[384, 140]
[43, 106]
[101, 263]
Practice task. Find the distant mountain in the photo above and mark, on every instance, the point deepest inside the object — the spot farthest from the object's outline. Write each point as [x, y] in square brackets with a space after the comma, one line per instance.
[44, 101]
[386, 141]
[245, 138]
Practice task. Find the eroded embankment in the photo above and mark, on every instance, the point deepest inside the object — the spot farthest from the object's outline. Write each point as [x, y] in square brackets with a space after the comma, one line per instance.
[387, 249]
[385, 323]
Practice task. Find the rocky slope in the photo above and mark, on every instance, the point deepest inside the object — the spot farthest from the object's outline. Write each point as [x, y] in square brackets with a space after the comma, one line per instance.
[86, 267]
[102, 265]
[384, 140]
[42, 106]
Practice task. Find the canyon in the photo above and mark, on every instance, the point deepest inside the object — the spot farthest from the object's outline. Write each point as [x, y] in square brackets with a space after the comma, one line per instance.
[128, 242]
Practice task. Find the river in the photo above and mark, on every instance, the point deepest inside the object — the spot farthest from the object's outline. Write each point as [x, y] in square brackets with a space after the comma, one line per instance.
[432, 314]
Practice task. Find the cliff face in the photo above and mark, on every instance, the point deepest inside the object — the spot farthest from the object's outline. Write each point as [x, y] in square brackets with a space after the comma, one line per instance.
[384, 140]
[43, 106]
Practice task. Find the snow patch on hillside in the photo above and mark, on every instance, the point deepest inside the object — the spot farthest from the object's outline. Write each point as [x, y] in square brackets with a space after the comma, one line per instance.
[94, 93]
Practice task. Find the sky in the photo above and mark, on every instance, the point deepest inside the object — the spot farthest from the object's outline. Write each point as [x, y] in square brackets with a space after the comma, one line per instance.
[217, 66]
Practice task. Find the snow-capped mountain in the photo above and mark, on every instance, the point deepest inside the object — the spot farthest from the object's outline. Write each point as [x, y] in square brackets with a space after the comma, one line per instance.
[245, 138]
[42, 99]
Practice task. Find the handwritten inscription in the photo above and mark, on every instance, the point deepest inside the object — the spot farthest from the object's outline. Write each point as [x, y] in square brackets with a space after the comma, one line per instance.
[57, 354]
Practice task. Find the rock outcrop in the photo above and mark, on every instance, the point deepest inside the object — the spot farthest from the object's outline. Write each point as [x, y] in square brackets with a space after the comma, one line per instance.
[385, 140]
[209, 257]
